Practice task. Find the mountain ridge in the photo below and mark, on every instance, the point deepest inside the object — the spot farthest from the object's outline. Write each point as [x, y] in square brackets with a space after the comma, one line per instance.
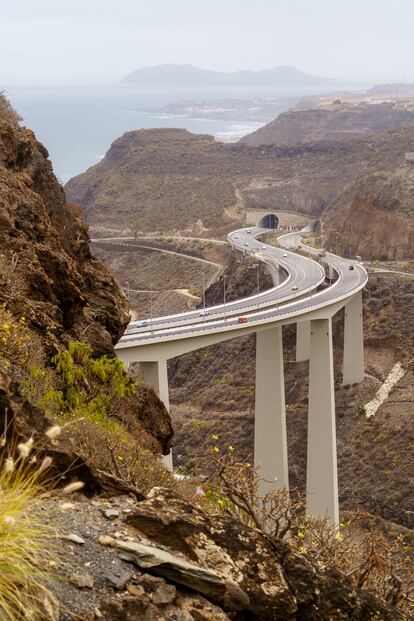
[187, 74]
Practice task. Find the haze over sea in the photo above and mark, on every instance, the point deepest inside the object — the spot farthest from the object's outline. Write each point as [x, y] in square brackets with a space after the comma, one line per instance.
[77, 124]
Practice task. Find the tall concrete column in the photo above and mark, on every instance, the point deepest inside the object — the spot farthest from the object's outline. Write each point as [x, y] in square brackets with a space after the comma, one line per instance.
[303, 339]
[322, 477]
[270, 444]
[274, 273]
[239, 256]
[353, 364]
[156, 375]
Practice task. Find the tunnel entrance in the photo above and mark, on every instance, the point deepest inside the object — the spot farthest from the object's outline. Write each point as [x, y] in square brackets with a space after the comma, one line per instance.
[269, 221]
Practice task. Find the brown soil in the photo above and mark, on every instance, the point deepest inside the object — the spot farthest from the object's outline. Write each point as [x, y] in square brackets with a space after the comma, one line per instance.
[211, 250]
[162, 303]
[176, 281]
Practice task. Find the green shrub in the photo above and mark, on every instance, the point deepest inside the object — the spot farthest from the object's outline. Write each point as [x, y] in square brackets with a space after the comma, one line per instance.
[93, 387]
[40, 387]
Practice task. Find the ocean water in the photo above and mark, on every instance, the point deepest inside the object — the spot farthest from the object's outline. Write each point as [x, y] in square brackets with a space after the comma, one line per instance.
[77, 124]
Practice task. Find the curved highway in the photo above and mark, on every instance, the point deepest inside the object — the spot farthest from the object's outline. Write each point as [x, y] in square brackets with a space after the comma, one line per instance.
[296, 296]
[300, 276]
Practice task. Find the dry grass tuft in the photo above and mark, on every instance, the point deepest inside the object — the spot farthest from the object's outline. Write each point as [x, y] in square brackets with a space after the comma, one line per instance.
[25, 539]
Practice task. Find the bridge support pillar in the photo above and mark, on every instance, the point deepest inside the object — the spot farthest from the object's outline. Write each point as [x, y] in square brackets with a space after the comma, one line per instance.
[155, 375]
[353, 364]
[239, 256]
[270, 443]
[274, 273]
[322, 477]
[303, 340]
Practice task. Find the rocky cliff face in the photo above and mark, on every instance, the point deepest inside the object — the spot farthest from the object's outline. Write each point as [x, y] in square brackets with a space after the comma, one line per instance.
[374, 216]
[47, 271]
[48, 278]
[336, 122]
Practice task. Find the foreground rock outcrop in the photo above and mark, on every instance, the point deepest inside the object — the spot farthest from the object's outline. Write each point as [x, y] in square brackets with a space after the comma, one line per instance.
[165, 558]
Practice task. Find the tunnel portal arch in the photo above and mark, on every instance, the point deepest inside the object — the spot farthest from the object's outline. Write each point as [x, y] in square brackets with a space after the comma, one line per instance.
[269, 221]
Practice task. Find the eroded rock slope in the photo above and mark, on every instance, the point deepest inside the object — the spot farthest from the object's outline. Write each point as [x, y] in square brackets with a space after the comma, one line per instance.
[49, 281]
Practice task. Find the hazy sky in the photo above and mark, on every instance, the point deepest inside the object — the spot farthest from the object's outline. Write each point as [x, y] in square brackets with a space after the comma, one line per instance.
[74, 41]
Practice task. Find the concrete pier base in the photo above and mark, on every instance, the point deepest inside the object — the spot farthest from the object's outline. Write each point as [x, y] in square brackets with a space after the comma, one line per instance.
[353, 363]
[156, 375]
[270, 444]
[322, 477]
[303, 339]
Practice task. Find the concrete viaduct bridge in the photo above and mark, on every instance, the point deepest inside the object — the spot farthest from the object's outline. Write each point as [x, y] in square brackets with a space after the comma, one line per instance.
[296, 297]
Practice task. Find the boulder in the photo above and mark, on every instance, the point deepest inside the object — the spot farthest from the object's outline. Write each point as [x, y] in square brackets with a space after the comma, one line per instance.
[255, 577]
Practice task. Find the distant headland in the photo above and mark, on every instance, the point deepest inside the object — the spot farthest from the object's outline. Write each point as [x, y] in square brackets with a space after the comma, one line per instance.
[188, 75]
